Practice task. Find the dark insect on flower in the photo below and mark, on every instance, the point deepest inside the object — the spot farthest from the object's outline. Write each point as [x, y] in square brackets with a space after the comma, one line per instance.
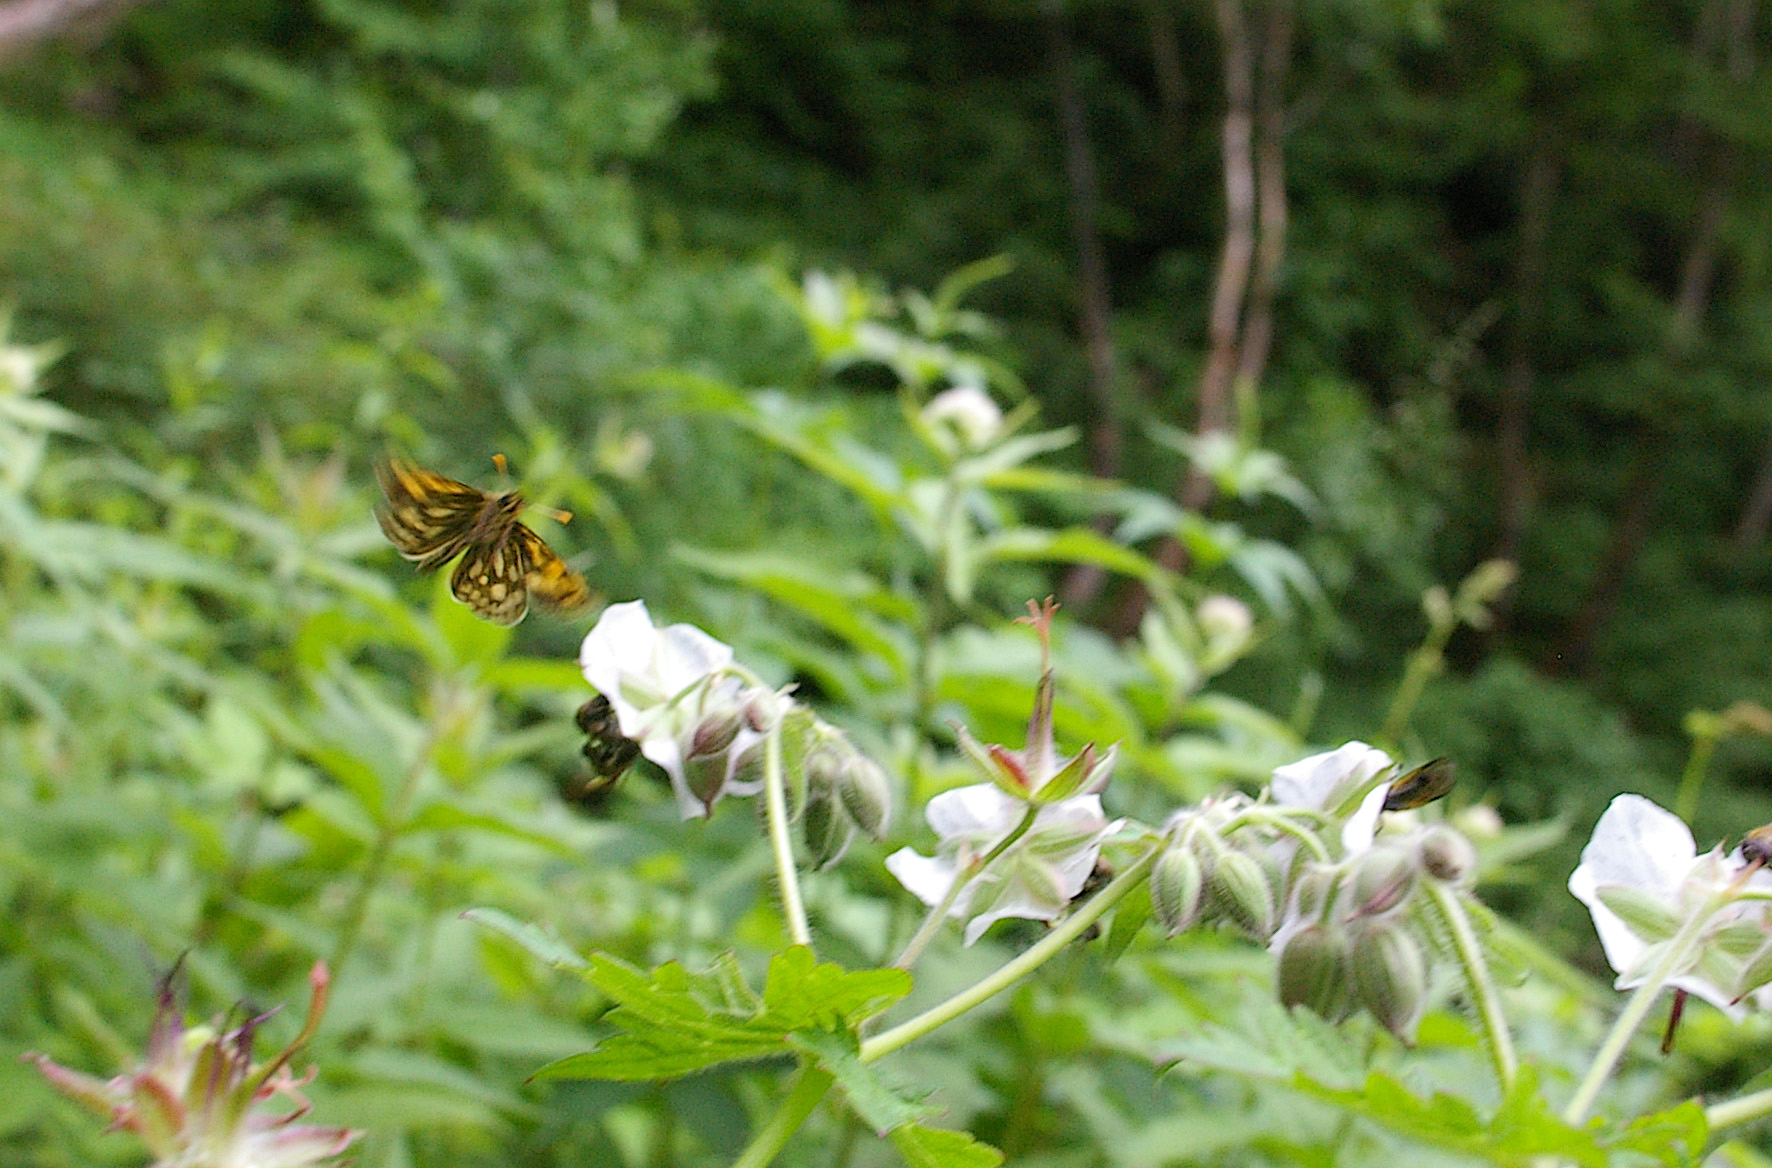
[1756, 846]
[1421, 786]
[431, 519]
[610, 755]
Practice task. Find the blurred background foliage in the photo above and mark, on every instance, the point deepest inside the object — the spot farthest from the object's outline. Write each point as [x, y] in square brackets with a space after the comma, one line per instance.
[247, 248]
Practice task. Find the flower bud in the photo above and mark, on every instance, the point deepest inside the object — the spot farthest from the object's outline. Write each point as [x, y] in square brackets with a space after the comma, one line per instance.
[1383, 879]
[1390, 977]
[715, 732]
[1311, 892]
[826, 830]
[1446, 855]
[1314, 972]
[865, 793]
[705, 776]
[1175, 886]
[1239, 890]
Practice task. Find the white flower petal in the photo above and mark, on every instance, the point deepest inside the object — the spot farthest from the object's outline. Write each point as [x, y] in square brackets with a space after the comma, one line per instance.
[1320, 781]
[925, 878]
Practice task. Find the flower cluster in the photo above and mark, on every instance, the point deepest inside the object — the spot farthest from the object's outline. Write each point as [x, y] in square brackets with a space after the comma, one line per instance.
[197, 1098]
[1309, 872]
[1023, 843]
[1697, 923]
[677, 695]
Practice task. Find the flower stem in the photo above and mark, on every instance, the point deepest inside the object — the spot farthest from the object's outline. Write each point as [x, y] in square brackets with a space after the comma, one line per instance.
[938, 912]
[1677, 953]
[809, 1088]
[1476, 978]
[1746, 1109]
[388, 832]
[983, 990]
[776, 803]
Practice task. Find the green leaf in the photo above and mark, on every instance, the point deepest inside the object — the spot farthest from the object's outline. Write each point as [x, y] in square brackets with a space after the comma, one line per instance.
[881, 1106]
[531, 937]
[673, 1021]
[1071, 545]
[932, 1147]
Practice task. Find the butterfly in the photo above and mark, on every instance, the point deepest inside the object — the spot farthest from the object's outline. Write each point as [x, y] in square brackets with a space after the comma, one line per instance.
[430, 519]
[1421, 786]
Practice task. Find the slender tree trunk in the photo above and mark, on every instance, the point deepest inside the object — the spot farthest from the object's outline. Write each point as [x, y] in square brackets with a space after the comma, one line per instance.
[1513, 462]
[1095, 311]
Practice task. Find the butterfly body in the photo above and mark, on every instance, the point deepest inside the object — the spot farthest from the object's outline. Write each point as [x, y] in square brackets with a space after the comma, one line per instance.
[430, 519]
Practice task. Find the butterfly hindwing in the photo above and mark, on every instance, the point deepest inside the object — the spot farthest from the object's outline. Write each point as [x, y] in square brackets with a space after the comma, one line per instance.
[492, 579]
[553, 585]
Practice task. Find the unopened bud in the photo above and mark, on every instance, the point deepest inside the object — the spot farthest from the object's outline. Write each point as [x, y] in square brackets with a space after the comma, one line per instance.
[1239, 890]
[1390, 978]
[1311, 891]
[1314, 972]
[1446, 855]
[826, 830]
[1383, 879]
[1757, 972]
[1175, 886]
[866, 794]
[706, 777]
[715, 732]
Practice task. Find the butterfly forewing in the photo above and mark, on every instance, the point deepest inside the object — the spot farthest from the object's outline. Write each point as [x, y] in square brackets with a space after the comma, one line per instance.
[431, 519]
[428, 517]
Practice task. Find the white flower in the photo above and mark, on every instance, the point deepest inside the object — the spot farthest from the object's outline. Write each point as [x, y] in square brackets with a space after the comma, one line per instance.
[1328, 782]
[672, 693]
[1036, 878]
[1643, 856]
[968, 413]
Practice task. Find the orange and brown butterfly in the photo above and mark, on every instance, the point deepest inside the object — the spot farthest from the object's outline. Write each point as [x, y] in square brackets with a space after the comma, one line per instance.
[430, 519]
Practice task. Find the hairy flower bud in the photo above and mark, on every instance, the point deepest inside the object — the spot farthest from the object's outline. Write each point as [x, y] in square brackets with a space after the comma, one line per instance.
[1446, 855]
[826, 830]
[865, 793]
[1240, 891]
[1314, 971]
[1390, 977]
[1175, 885]
[1383, 879]
[1311, 892]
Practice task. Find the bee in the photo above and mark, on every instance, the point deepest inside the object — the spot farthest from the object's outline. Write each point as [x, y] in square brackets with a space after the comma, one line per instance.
[430, 519]
[1421, 786]
[611, 756]
[1756, 846]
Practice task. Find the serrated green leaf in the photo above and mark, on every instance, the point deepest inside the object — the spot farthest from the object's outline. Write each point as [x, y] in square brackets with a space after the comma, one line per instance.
[880, 1105]
[933, 1147]
[673, 1021]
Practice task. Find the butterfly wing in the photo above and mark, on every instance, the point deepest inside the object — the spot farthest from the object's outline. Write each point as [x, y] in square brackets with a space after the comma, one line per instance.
[491, 580]
[553, 585]
[428, 517]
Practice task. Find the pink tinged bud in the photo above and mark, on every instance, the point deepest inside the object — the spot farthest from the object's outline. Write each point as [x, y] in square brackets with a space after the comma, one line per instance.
[705, 776]
[1176, 885]
[1390, 978]
[715, 733]
[1383, 880]
[1315, 970]
[1447, 856]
